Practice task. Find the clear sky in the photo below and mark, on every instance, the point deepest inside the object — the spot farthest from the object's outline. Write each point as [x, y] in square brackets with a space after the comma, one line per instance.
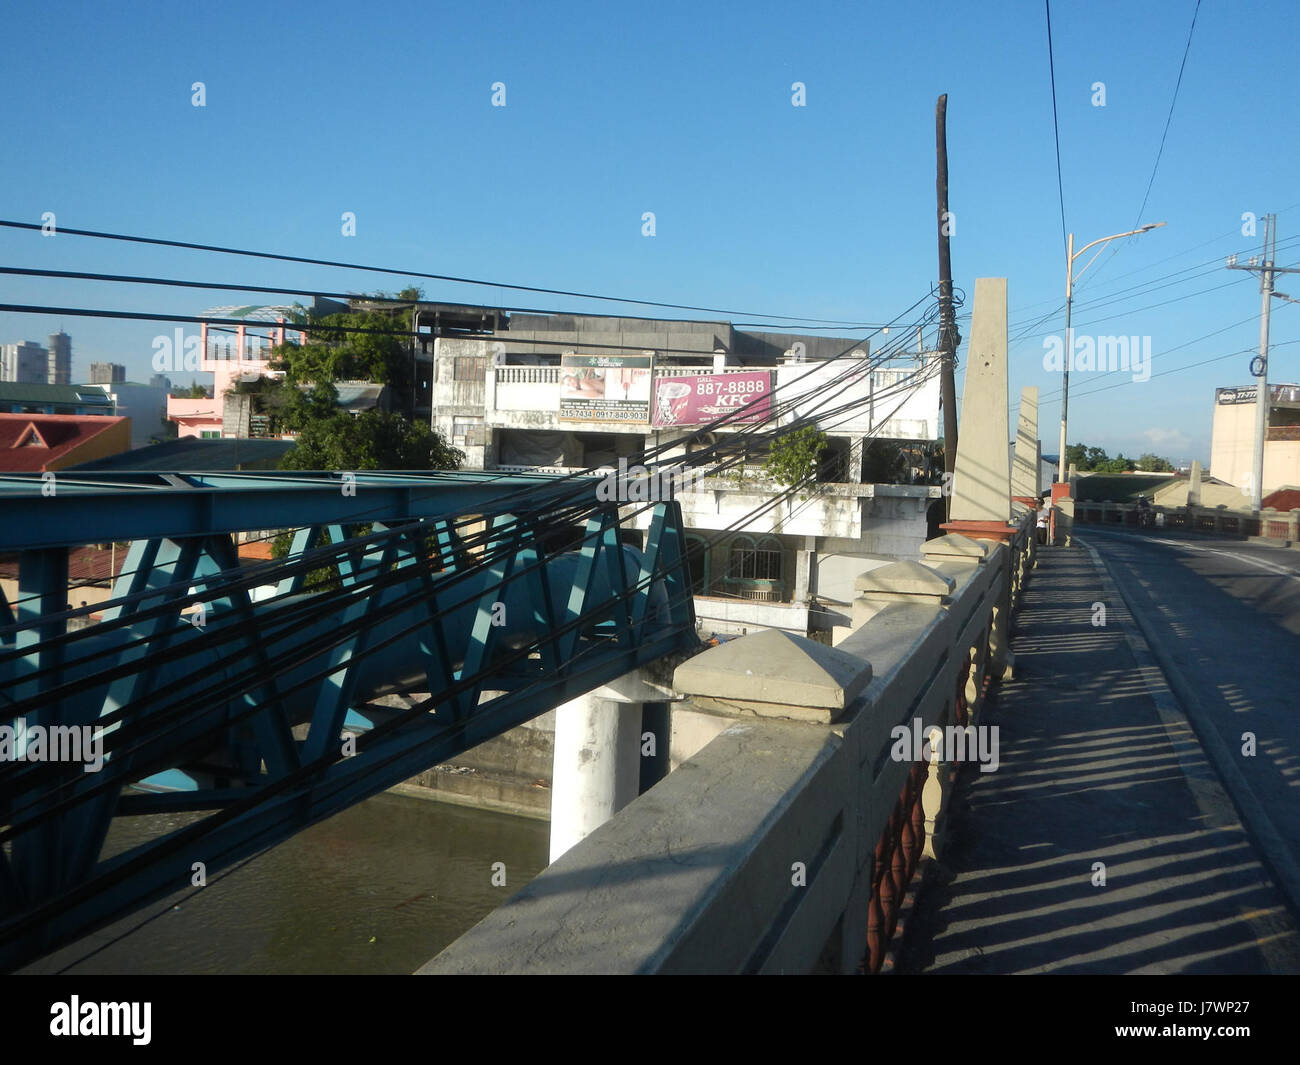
[684, 110]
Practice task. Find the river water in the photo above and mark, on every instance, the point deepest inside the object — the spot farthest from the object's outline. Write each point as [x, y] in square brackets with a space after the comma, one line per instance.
[379, 888]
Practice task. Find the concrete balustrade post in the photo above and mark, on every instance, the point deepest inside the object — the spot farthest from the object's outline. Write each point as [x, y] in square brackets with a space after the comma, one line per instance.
[1293, 525]
[934, 795]
[978, 655]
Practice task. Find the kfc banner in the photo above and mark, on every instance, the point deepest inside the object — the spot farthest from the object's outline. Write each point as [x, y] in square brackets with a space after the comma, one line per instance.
[707, 397]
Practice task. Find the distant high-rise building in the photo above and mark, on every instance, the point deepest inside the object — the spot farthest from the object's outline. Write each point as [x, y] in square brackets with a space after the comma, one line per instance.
[160, 381]
[24, 363]
[107, 373]
[60, 366]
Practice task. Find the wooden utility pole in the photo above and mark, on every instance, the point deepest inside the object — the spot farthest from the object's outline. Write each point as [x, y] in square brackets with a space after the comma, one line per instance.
[949, 338]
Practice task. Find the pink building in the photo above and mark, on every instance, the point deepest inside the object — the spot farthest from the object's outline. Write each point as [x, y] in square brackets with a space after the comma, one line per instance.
[195, 417]
[230, 355]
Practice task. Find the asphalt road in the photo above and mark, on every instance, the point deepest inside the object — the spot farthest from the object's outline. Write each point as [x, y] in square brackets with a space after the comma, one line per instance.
[1226, 615]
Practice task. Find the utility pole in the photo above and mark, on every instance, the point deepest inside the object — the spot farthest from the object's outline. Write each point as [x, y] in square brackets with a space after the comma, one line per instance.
[1259, 367]
[949, 338]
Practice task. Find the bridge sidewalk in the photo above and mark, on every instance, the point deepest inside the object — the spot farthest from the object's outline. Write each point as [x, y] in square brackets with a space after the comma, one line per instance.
[1097, 765]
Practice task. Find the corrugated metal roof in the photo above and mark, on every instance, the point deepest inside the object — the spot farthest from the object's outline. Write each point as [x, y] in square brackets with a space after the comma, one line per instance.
[263, 313]
[12, 392]
[198, 456]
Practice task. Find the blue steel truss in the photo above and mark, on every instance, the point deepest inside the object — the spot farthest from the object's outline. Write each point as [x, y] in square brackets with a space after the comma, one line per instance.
[243, 709]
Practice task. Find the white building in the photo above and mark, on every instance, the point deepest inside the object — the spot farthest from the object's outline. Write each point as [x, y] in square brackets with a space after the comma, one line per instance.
[24, 363]
[1232, 442]
[515, 398]
[145, 405]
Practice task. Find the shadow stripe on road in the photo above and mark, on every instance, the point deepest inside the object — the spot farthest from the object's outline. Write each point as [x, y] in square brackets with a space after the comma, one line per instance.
[1180, 707]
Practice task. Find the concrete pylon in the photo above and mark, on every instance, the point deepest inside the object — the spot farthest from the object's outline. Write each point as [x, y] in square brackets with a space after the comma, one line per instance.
[596, 766]
[1194, 487]
[1024, 471]
[981, 497]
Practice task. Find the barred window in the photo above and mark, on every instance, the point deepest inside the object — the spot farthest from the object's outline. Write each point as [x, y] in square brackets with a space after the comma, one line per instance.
[465, 431]
[756, 561]
[470, 368]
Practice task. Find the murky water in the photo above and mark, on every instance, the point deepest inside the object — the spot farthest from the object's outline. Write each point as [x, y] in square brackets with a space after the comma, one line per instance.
[379, 888]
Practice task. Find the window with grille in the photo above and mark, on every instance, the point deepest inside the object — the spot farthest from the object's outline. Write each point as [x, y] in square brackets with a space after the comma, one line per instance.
[762, 561]
[470, 368]
[465, 430]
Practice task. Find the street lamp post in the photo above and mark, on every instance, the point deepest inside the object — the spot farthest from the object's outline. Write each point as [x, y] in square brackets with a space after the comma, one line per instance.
[1070, 256]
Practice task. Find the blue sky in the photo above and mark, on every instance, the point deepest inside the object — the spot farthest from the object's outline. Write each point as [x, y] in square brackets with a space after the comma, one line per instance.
[683, 109]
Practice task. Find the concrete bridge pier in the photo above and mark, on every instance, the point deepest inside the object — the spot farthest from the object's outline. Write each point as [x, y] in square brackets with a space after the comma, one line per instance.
[603, 759]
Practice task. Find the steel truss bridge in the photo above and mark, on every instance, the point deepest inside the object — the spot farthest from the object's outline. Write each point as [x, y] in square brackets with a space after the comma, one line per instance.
[484, 600]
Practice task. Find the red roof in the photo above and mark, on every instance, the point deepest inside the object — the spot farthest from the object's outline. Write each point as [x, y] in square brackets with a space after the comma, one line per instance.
[30, 442]
[1282, 499]
[86, 565]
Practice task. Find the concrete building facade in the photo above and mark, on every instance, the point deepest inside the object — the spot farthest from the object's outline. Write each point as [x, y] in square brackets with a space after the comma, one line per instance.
[107, 373]
[24, 363]
[59, 371]
[505, 398]
[145, 405]
[1232, 444]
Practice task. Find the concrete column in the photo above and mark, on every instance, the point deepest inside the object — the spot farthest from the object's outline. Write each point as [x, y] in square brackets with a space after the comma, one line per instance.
[1194, 486]
[803, 570]
[597, 766]
[854, 472]
[982, 480]
[1024, 474]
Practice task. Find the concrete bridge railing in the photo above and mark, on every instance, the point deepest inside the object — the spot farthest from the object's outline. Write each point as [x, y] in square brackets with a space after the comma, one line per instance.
[1220, 520]
[788, 842]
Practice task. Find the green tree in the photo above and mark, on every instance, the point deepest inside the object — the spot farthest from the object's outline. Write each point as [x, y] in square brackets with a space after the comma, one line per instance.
[1076, 455]
[1150, 463]
[380, 353]
[794, 455]
[374, 440]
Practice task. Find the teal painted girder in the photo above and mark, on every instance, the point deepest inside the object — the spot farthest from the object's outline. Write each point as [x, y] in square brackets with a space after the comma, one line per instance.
[250, 705]
[75, 509]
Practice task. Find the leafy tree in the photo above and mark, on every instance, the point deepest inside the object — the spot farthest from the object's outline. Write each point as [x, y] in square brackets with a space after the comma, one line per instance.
[1095, 460]
[1076, 455]
[380, 354]
[794, 455]
[374, 440]
[1150, 463]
